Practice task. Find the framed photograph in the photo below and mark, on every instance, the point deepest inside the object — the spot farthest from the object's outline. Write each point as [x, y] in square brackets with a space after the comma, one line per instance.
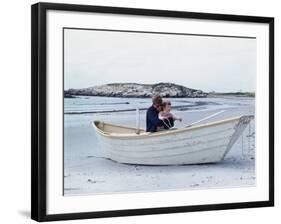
[141, 111]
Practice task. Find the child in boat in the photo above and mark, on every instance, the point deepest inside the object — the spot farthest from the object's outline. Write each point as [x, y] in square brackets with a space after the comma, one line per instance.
[166, 116]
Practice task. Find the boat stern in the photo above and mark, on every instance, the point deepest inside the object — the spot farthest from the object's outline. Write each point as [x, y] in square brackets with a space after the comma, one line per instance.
[242, 123]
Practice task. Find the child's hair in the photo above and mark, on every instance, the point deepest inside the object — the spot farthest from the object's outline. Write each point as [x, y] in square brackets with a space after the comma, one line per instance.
[165, 103]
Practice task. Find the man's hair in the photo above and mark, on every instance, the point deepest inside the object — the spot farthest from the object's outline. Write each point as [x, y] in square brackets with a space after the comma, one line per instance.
[157, 100]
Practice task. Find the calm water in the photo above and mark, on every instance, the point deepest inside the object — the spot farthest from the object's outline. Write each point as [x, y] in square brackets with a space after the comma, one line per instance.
[86, 104]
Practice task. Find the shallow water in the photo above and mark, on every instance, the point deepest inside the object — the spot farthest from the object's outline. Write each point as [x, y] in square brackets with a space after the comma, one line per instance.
[94, 104]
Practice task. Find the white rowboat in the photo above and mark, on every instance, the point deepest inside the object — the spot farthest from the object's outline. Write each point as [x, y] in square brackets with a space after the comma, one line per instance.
[207, 143]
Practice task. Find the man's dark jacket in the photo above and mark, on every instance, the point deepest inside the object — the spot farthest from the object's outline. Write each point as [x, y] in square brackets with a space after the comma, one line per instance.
[152, 120]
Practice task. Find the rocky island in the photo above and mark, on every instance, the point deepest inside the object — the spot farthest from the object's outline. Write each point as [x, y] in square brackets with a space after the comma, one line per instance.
[137, 90]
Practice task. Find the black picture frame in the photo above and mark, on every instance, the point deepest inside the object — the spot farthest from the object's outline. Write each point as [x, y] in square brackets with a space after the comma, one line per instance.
[39, 107]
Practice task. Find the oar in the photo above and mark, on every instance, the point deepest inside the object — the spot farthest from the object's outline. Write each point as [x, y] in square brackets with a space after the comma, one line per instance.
[206, 118]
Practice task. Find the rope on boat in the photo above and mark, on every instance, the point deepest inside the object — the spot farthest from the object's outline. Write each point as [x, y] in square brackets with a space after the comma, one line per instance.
[205, 118]
[168, 125]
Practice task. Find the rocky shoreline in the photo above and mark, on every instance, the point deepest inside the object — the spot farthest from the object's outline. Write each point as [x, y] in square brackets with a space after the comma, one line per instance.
[137, 90]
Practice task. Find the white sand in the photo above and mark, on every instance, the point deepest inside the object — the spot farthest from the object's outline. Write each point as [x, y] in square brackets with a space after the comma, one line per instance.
[86, 172]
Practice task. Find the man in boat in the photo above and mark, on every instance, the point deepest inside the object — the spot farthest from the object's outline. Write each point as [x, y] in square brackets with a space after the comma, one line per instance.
[153, 123]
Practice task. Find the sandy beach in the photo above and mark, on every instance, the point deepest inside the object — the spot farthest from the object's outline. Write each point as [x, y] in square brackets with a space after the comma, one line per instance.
[86, 171]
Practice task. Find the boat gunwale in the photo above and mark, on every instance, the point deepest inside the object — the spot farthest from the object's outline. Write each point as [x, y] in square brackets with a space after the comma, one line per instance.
[160, 133]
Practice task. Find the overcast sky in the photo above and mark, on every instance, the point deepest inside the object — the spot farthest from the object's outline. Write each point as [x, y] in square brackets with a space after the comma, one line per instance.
[207, 63]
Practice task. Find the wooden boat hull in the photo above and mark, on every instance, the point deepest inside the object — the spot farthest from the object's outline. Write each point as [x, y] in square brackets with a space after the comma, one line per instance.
[198, 144]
